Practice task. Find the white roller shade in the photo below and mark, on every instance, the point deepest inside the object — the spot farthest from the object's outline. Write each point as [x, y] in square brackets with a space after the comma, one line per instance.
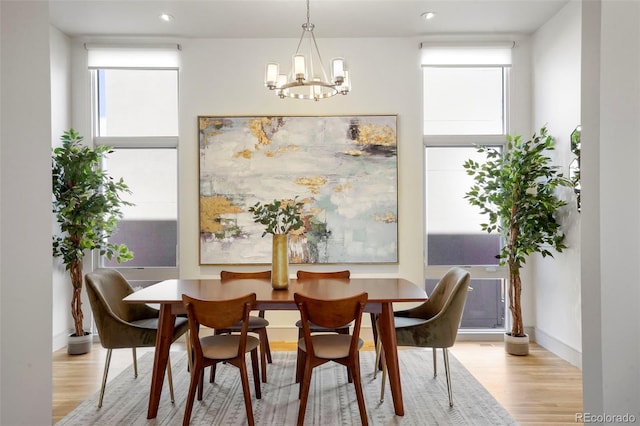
[133, 56]
[471, 54]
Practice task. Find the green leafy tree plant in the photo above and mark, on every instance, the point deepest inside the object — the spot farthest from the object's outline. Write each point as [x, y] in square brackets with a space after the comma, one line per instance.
[279, 216]
[517, 192]
[87, 205]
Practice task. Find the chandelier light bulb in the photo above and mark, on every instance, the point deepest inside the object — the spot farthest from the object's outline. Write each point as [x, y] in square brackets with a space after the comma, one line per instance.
[299, 68]
[273, 69]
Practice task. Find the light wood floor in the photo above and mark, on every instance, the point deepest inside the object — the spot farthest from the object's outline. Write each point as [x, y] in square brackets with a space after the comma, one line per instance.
[538, 389]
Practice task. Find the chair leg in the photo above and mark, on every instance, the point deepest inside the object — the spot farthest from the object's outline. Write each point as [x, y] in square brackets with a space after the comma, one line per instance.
[377, 365]
[357, 382]
[384, 375]
[212, 373]
[196, 370]
[188, 346]
[266, 344]
[435, 364]
[262, 334]
[135, 363]
[447, 373]
[299, 358]
[266, 339]
[170, 380]
[201, 382]
[245, 390]
[104, 376]
[300, 362]
[256, 374]
[304, 391]
[374, 327]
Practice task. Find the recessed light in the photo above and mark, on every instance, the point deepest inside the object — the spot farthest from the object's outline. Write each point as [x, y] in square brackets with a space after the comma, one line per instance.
[166, 17]
[428, 15]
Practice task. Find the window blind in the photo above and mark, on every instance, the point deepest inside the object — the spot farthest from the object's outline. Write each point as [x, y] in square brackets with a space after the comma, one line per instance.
[104, 56]
[466, 54]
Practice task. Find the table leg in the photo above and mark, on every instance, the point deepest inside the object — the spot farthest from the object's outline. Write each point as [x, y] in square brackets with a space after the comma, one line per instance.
[166, 323]
[387, 333]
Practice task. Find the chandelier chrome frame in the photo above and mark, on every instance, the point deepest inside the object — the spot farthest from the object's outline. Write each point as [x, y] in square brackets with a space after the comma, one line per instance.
[304, 81]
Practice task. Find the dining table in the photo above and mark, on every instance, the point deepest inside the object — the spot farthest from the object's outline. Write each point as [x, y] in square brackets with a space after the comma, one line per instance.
[382, 293]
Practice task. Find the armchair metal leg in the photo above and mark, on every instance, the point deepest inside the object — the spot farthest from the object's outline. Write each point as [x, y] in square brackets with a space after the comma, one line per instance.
[448, 374]
[377, 362]
[384, 376]
[135, 363]
[170, 380]
[435, 364]
[104, 376]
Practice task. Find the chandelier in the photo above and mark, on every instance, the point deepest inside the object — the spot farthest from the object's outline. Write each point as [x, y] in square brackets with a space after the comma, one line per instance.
[308, 78]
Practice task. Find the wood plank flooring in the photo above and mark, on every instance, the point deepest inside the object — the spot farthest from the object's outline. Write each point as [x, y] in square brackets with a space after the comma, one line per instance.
[538, 389]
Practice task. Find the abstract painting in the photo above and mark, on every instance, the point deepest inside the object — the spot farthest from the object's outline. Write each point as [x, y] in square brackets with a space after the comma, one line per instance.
[344, 169]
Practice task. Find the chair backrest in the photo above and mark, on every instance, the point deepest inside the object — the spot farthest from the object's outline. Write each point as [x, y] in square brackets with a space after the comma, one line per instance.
[444, 308]
[331, 313]
[218, 314]
[335, 274]
[232, 275]
[443, 293]
[106, 288]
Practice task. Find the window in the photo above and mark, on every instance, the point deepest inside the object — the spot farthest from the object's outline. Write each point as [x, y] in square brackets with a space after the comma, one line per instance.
[137, 102]
[463, 101]
[149, 228]
[135, 110]
[465, 98]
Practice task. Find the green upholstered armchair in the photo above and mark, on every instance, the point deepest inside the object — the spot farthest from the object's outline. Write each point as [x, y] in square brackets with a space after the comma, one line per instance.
[434, 324]
[123, 325]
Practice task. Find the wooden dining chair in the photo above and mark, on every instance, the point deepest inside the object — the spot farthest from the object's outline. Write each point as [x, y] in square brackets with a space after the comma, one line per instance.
[309, 275]
[257, 324]
[229, 348]
[433, 324]
[321, 348]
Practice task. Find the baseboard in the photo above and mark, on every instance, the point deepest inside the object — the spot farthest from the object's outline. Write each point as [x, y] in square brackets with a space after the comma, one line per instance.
[59, 341]
[484, 335]
[559, 348]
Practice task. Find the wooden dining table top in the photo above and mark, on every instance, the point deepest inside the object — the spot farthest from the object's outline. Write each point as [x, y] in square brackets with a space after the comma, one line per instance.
[380, 290]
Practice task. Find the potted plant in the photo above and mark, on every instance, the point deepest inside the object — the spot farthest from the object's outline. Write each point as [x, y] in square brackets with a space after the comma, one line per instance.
[517, 193]
[86, 204]
[279, 217]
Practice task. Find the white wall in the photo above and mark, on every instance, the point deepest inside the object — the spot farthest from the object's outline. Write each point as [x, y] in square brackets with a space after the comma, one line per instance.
[25, 215]
[556, 104]
[60, 119]
[225, 77]
[611, 129]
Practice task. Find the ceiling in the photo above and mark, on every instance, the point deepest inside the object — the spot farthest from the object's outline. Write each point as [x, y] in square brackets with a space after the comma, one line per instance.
[283, 18]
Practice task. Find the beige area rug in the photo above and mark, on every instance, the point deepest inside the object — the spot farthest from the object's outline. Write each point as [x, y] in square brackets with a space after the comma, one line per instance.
[332, 400]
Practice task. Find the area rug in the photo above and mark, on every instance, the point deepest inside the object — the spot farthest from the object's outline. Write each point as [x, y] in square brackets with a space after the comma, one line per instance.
[332, 400]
